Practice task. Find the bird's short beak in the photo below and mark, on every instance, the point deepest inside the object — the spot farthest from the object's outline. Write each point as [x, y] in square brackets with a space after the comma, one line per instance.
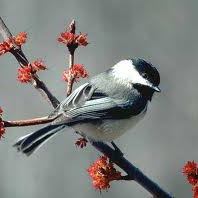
[157, 89]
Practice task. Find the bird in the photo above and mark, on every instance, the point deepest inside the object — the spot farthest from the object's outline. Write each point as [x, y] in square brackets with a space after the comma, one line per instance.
[104, 108]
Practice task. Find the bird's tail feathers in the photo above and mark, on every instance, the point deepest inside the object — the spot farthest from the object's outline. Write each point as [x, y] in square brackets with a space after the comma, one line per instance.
[31, 142]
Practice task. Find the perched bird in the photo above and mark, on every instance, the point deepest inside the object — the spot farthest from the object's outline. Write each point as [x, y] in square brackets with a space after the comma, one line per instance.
[103, 108]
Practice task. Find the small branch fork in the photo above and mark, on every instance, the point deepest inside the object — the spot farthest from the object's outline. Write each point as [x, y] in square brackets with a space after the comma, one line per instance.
[133, 173]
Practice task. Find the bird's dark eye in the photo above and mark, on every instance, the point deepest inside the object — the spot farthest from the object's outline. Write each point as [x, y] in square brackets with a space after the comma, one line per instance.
[145, 75]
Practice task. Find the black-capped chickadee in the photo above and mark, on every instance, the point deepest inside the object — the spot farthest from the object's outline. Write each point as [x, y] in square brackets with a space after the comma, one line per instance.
[104, 108]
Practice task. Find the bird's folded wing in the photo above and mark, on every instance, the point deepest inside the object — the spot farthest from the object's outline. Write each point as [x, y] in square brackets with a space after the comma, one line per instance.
[86, 103]
[104, 108]
[78, 96]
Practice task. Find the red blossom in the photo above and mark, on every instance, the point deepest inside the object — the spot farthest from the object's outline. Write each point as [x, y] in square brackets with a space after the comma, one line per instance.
[192, 179]
[1, 111]
[6, 46]
[38, 65]
[2, 129]
[79, 71]
[66, 38]
[81, 142]
[195, 191]
[190, 168]
[81, 39]
[20, 39]
[71, 39]
[65, 76]
[25, 74]
[76, 72]
[102, 173]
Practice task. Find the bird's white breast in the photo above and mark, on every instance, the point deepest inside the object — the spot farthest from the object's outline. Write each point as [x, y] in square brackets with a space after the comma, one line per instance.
[108, 130]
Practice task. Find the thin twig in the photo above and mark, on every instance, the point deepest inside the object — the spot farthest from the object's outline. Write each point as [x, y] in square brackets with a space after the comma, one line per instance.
[71, 79]
[72, 29]
[4, 31]
[28, 122]
[22, 60]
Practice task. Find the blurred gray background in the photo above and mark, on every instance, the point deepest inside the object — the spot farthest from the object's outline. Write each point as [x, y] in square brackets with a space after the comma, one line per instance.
[163, 32]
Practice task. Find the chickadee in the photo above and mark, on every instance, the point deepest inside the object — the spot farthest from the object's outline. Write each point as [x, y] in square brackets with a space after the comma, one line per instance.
[104, 108]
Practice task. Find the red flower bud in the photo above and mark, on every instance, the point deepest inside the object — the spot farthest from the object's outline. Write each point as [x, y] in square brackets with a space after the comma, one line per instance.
[2, 129]
[192, 179]
[6, 46]
[190, 168]
[25, 74]
[76, 72]
[65, 76]
[102, 173]
[81, 39]
[1, 111]
[38, 65]
[20, 39]
[195, 191]
[66, 38]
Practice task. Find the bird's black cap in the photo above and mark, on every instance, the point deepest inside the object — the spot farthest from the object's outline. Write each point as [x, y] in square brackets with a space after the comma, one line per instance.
[147, 69]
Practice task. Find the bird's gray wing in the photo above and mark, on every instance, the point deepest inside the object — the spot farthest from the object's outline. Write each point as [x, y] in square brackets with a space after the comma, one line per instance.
[77, 97]
[87, 103]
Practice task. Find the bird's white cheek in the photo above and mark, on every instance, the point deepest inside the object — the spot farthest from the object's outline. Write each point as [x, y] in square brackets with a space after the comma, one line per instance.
[125, 73]
[143, 81]
[138, 79]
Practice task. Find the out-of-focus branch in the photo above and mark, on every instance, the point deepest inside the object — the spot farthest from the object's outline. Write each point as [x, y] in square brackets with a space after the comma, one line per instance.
[28, 122]
[22, 60]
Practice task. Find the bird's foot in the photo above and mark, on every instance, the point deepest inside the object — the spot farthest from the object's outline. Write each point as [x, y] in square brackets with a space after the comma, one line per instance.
[81, 142]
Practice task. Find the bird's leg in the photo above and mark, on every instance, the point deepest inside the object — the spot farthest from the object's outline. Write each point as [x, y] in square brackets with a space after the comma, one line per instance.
[117, 150]
[81, 142]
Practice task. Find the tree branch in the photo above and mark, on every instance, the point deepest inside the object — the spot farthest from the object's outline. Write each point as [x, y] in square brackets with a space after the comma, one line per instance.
[133, 173]
[22, 60]
[4, 31]
[72, 29]
[71, 79]
[28, 122]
